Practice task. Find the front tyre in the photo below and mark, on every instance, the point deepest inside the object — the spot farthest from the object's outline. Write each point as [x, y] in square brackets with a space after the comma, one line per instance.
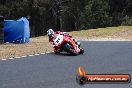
[81, 51]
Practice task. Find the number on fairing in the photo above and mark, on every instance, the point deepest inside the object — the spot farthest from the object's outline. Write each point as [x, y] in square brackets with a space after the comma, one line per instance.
[58, 40]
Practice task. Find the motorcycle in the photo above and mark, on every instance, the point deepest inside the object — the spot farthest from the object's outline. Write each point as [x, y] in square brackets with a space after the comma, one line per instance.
[67, 44]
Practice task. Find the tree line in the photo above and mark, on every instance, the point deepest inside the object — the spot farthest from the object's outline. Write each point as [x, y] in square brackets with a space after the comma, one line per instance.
[68, 15]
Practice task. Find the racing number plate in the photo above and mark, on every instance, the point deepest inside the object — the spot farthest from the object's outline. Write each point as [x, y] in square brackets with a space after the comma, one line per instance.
[58, 40]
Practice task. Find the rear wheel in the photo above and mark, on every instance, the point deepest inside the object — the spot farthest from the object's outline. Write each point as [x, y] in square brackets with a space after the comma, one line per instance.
[57, 52]
[69, 49]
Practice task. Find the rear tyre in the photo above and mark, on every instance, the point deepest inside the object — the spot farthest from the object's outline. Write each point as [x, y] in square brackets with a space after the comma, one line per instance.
[57, 52]
[69, 49]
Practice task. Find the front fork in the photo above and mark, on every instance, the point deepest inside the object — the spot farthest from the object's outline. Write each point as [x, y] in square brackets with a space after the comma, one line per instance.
[77, 43]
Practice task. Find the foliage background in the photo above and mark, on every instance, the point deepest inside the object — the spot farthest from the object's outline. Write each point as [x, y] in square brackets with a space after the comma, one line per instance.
[68, 15]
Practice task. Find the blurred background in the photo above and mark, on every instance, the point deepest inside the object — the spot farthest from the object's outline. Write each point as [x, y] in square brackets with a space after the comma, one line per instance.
[68, 15]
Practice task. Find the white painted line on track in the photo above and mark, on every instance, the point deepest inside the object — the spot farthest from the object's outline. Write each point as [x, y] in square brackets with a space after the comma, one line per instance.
[23, 56]
[17, 57]
[36, 54]
[11, 58]
[47, 52]
[3, 59]
[43, 53]
[31, 55]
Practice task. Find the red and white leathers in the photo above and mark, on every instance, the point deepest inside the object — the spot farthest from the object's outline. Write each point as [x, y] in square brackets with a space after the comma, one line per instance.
[51, 37]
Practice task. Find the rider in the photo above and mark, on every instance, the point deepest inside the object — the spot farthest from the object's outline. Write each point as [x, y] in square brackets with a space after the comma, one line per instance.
[51, 35]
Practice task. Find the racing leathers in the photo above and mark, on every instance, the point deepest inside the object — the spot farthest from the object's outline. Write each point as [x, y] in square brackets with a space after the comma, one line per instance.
[61, 33]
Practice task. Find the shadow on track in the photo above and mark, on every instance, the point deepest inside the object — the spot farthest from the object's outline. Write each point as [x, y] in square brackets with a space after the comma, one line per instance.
[62, 54]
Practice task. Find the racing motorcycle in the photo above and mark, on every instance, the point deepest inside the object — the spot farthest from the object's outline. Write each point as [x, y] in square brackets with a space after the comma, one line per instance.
[67, 44]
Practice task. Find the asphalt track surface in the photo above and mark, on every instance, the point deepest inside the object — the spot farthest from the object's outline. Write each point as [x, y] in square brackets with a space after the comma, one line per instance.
[59, 71]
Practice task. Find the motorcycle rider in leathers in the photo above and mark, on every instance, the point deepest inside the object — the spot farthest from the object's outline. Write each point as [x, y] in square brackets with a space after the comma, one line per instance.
[51, 34]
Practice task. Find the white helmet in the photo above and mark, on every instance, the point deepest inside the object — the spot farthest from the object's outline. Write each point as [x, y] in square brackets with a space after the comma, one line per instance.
[50, 32]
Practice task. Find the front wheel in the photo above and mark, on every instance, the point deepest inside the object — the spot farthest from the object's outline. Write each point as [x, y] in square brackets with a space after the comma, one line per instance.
[81, 51]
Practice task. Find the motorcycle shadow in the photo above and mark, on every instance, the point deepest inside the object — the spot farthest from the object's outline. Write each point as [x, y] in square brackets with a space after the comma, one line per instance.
[63, 54]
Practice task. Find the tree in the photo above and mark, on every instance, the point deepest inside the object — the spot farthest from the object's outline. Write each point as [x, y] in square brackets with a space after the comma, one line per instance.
[120, 10]
[68, 15]
[95, 14]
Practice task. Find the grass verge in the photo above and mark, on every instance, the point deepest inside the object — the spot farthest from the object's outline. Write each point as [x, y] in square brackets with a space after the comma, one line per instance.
[36, 45]
[123, 32]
